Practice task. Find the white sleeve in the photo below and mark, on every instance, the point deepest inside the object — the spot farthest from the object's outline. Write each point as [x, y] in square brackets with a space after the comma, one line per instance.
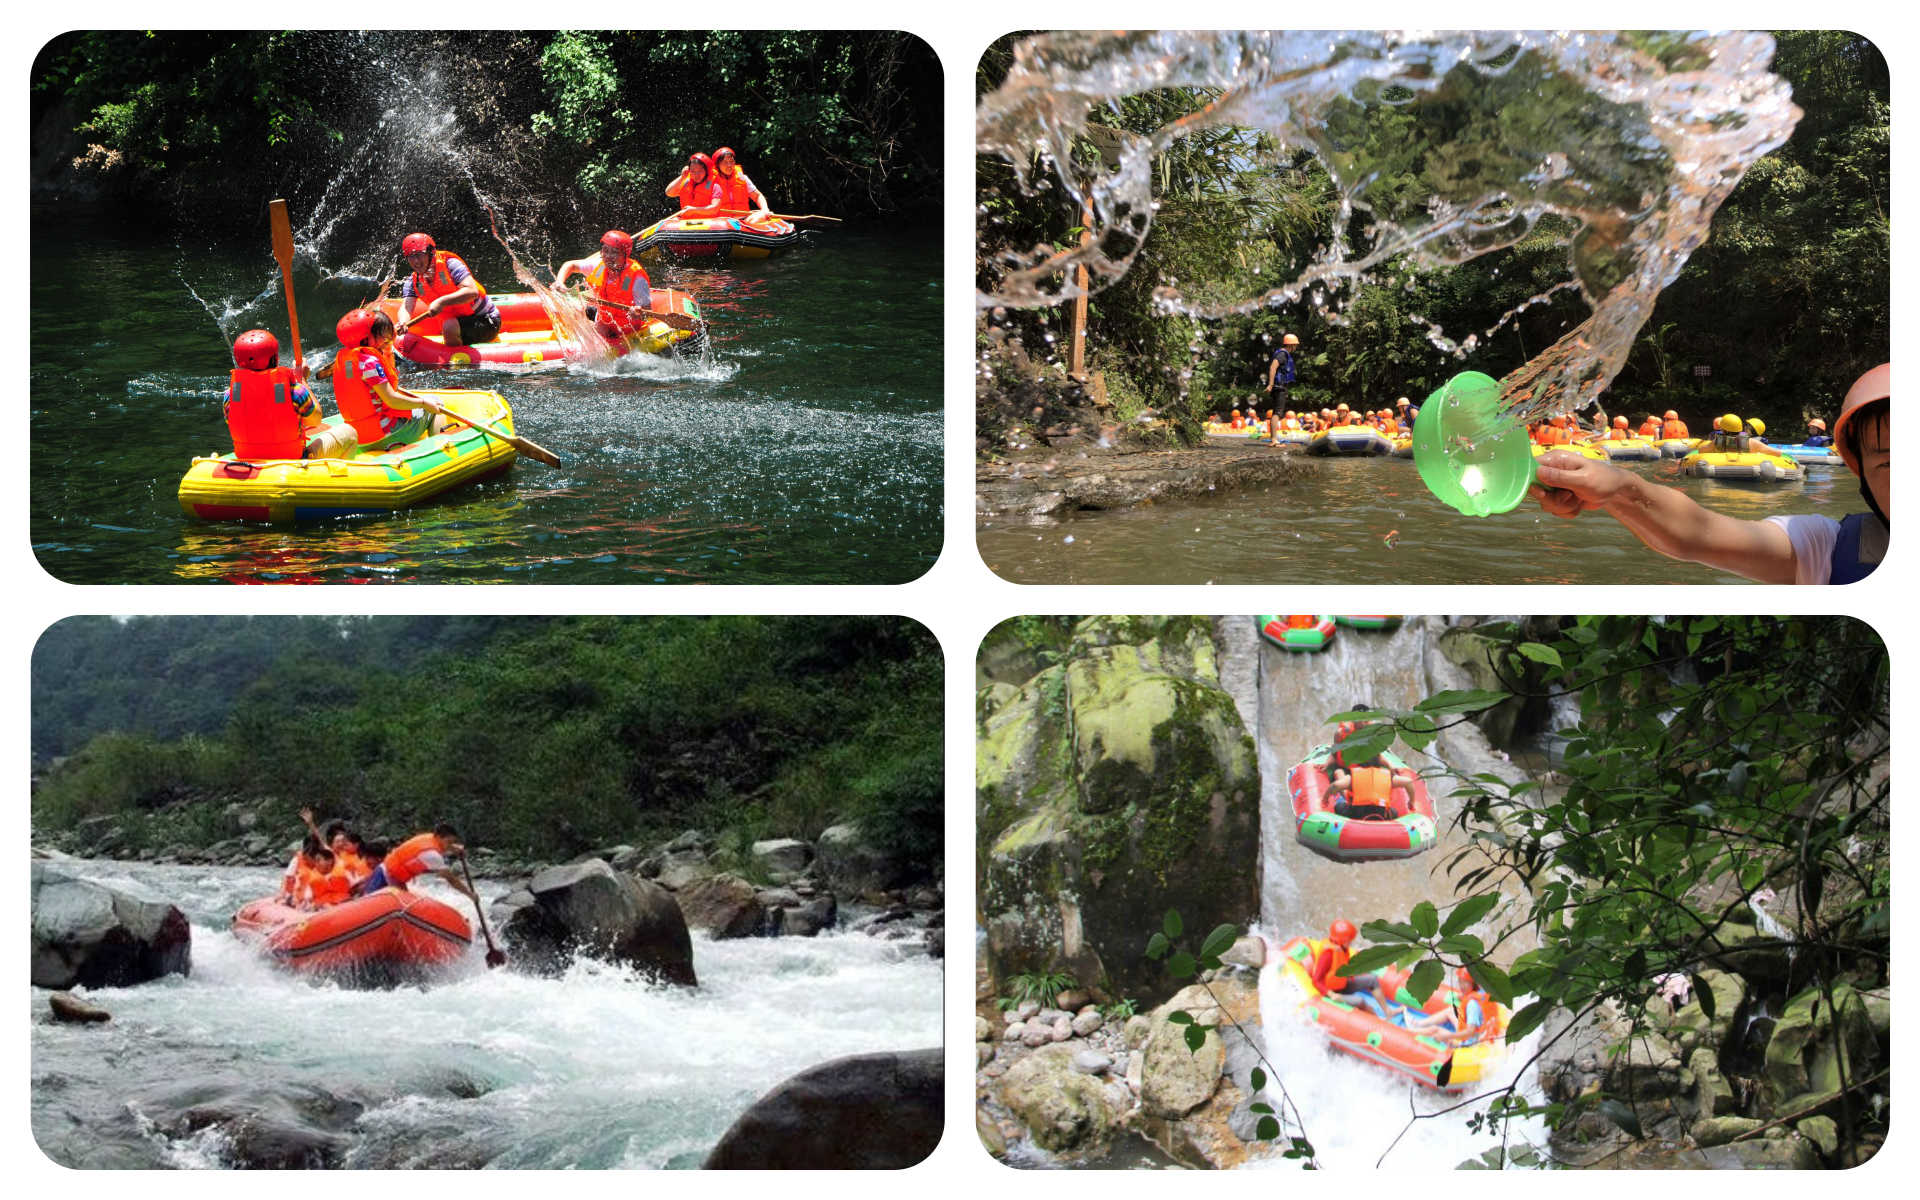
[1813, 539]
[433, 860]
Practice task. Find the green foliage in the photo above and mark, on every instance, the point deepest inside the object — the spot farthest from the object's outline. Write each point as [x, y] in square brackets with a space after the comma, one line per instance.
[547, 736]
[1714, 757]
[1120, 1010]
[1037, 987]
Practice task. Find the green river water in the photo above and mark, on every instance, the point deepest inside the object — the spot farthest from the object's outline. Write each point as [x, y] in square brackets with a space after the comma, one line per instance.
[1331, 527]
[805, 449]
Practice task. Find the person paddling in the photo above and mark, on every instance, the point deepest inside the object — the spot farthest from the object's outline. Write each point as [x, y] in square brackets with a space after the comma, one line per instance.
[430, 853]
[380, 413]
[612, 275]
[440, 285]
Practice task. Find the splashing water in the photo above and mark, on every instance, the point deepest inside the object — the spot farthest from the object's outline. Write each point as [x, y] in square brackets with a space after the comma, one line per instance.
[1632, 141]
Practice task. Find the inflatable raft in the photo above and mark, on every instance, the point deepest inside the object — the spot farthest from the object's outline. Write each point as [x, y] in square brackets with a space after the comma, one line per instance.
[1353, 1026]
[1630, 450]
[1351, 439]
[1752, 466]
[283, 491]
[1368, 622]
[1583, 449]
[1677, 447]
[392, 936]
[1413, 829]
[528, 338]
[1298, 638]
[715, 237]
[1813, 456]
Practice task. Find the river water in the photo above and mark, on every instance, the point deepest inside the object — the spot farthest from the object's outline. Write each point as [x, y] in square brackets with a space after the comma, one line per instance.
[806, 448]
[1355, 1113]
[1331, 527]
[595, 1069]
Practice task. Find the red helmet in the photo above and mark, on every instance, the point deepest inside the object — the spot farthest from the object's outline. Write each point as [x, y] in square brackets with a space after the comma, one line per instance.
[724, 152]
[1876, 384]
[703, 162]
[616, 240]
[356, 326]
[256, 350]
[1342, 932]
[414, 243]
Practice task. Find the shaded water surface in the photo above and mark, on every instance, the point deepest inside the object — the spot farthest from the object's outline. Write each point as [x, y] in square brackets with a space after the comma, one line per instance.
[804, 449]
[1332, 527]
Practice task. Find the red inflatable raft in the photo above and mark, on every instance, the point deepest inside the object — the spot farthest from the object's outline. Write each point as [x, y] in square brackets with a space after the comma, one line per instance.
[528, 338]
[1317, 827]
[388, 937]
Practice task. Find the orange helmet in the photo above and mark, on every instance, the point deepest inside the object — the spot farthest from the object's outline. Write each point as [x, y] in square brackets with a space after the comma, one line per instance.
[1289, 340]
[1817, 423]
[1876, 384]
[1672, 415]
[1341, 408]
[1619, 422]
[1342, 932]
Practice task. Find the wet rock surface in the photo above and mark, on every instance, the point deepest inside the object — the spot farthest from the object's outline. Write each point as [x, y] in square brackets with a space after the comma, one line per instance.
[90, 935]
[864, 1112]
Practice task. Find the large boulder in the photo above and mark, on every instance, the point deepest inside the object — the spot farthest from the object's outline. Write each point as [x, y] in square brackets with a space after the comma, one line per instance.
[865, 1112]
[806, 919]
[1108, 776]
[89, 935]
[856, 866]
[589, 908]
[724, 906]
[1813, 1042]
[264, 1126]
[782, 859]
[1063, 1109]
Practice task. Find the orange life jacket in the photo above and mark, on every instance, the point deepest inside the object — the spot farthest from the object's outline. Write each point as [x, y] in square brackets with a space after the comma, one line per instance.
[732, 192]
[1618, 435]
[620, 289]
[704, 194]
[438, 282]
[404, 863]
[1327, 958]
[320, 889]
[1673, 429]
[1371, 785]
[262, 415]
[1649, 428]
[1291, 424]
[352, 865]
[359, 406]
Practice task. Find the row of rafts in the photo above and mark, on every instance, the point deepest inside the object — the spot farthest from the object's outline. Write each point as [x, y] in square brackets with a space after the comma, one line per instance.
[1449, 1040]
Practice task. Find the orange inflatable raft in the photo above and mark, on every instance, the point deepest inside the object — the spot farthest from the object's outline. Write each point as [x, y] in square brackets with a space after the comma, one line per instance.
[391, 936]
[528, 338]
[1355, 1028]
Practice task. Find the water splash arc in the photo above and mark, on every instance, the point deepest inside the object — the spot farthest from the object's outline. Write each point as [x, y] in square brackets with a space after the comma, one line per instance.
[1632, 141]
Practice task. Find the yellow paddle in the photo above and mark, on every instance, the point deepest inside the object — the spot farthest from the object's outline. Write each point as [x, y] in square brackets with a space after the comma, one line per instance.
[283, 250]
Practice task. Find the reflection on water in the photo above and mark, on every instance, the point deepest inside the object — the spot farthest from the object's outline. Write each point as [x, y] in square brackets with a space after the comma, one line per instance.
[805, 448]
[1331, 527]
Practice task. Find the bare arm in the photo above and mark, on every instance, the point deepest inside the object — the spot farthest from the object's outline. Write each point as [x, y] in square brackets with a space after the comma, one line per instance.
[578, 265]
[1664, 518]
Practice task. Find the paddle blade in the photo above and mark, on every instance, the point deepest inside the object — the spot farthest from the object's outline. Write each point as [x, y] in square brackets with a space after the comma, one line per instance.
[496, 958]
[282, 233]
[534, 451]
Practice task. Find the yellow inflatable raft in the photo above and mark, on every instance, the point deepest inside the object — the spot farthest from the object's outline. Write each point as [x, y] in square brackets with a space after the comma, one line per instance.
[1630, 450]
[1583, 449]
[283, 491]
[1754, 466]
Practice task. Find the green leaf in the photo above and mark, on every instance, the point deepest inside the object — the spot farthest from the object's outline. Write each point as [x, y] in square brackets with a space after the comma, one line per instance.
[1260, 1108]
[1492, 978]
[1266, 1130]
[1622, 1116]
[1196, 1038]
[1179, 1017]
[1527, 1020]
[1425, 978]
[1181, 966]
[1539, 653]
[1468, 911]
[1383, 931]
[1425, 918]
[1172, 925]
[1371, 958]
[1258, 1079]
[1158, 945]
[1456, 701]
[1463, 944]
[1220, 941]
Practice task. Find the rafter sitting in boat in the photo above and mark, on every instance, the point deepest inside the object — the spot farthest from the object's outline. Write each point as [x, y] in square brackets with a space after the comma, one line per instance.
[613, 277]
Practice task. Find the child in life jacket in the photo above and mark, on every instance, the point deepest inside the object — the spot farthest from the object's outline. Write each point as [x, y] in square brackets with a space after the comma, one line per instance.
[269, 410]
[380, 413]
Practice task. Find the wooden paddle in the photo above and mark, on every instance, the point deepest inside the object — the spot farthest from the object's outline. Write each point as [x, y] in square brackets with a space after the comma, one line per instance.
[283, 250]
[811, 220]
[496, 957]
[669, 319]
[532, 450]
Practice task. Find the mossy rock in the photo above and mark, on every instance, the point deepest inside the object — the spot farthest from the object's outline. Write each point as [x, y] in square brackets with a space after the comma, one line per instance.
[1809, 1046]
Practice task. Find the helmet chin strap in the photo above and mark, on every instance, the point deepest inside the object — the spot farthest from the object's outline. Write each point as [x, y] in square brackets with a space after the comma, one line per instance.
[1867, 494]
